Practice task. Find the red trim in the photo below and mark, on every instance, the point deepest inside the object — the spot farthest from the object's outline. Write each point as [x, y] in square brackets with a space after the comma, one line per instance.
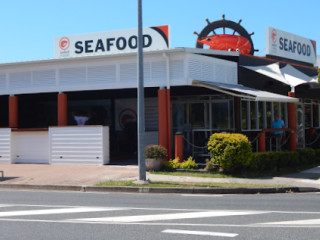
[273, 60]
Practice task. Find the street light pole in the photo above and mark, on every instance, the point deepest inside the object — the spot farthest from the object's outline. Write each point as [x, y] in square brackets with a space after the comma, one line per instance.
[140, 102]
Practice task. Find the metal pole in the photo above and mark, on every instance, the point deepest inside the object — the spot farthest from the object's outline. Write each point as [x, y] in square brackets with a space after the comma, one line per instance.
[140, 102]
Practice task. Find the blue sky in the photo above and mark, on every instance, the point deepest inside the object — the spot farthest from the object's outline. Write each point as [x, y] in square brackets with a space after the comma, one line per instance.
[28, 28]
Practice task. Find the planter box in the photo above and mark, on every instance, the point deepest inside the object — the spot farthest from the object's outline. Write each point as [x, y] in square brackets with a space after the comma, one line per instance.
[153, 164]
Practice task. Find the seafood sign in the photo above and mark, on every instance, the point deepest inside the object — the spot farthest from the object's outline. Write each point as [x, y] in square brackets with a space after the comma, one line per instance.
[113, 42]
[287, 45]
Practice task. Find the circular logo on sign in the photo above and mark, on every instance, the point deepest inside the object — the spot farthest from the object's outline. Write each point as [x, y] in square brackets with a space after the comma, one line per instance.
[274, 35]
[64, 43]
[127, 115]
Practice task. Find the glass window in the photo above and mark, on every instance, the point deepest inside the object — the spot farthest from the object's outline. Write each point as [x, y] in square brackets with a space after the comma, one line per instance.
[283, 114]
[244, 115]
[276, 109]
[261, 115]
[269, 114]
[196, 115]
[253, 115]
[307, 115]
[220, 115]
[315, 107]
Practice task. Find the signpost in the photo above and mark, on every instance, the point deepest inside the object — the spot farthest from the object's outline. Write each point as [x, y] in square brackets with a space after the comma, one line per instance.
[140, 102]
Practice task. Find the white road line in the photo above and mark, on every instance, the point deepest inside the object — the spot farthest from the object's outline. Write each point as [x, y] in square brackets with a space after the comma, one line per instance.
[6, 205]
[297, 222]
[170, 216]
[201, 195]
[202, 233]
[56, 211]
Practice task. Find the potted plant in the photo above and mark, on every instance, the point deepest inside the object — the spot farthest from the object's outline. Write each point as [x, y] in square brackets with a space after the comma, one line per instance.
[154, 155]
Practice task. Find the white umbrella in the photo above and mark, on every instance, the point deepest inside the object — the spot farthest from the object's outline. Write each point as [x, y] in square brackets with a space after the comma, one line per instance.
[287, 75]
[295, 77]
[271, 70]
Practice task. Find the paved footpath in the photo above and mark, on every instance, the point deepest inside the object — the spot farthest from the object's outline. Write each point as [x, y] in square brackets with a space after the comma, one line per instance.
[83, 175]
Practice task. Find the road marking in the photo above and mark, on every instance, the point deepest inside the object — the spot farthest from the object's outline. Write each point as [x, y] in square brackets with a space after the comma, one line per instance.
[297, 222]
[201, 195]
[170, 216]
[56, 211]
[202, 233]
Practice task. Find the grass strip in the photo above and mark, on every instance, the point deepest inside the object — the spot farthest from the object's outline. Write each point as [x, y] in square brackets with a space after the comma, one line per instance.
[167, 184]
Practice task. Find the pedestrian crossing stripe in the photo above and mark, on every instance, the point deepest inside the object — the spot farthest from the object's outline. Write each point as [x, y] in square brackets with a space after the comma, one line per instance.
[56, 211]
[309, 222]
[200, 233]
[169, 216]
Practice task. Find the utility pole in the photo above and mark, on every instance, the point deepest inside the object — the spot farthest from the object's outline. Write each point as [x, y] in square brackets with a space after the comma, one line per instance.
[140, 102]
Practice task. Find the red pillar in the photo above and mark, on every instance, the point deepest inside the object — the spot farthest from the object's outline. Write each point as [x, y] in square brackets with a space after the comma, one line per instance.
[169, 122]
[292, 123]
[178, 143]
[164, 119]
[262, 142]
[13, 111]
[62, 109]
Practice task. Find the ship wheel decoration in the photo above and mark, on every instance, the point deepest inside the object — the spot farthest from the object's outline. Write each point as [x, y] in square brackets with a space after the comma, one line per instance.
[226, 35]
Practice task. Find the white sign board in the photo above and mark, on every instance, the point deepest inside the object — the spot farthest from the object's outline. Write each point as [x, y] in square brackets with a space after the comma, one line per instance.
[114, 42]
[287, 45]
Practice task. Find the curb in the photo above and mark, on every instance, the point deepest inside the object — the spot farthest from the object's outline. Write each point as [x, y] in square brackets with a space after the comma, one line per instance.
[160, 190]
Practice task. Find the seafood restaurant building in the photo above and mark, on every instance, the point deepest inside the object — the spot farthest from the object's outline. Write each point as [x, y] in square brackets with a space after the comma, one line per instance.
[189, 92]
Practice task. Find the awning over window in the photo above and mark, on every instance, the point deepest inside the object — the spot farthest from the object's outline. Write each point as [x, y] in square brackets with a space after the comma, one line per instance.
[238, 90]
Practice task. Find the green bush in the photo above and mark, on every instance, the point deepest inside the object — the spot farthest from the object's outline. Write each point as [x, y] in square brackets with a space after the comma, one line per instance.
[174, 164]
[307, 156]
[189, 164]
[231, 151]
[271, 161]
[156, 152]
[171, 165]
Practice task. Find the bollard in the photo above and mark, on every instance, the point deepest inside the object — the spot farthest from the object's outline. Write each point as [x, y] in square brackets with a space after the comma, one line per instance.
[178, 146]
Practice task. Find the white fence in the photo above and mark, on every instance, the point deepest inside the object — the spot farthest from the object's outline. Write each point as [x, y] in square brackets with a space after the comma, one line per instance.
[86, 145]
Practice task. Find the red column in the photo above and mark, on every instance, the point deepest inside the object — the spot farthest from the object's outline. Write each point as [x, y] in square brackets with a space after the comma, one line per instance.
[262, 142]
[62, 109]
[292, 123]
[13, 111]
[164, 120]
[178, 143]
[169, 122]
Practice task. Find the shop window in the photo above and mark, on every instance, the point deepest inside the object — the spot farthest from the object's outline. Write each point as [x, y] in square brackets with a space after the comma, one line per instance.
[315, 108]
[283, 113]
[221, 115]
[244, 115]
[308, 115]
[261, 115]
[269, 113]
[196, 115]
[253, 115]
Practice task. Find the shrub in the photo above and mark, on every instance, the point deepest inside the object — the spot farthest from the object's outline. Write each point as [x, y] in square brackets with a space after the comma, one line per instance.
[175, 164]
[307, 156]
[270, 161]
[156, 152]
[230, 151]
[171, 165]
[189, 164]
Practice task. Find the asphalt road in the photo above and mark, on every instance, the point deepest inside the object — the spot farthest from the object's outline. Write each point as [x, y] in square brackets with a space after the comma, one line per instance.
[74, 215]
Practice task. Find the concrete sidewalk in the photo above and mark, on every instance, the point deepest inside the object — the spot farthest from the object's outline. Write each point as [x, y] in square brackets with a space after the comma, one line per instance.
[83, 175]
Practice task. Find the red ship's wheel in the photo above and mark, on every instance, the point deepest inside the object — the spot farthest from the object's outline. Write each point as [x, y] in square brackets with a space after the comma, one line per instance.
[223, 28]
